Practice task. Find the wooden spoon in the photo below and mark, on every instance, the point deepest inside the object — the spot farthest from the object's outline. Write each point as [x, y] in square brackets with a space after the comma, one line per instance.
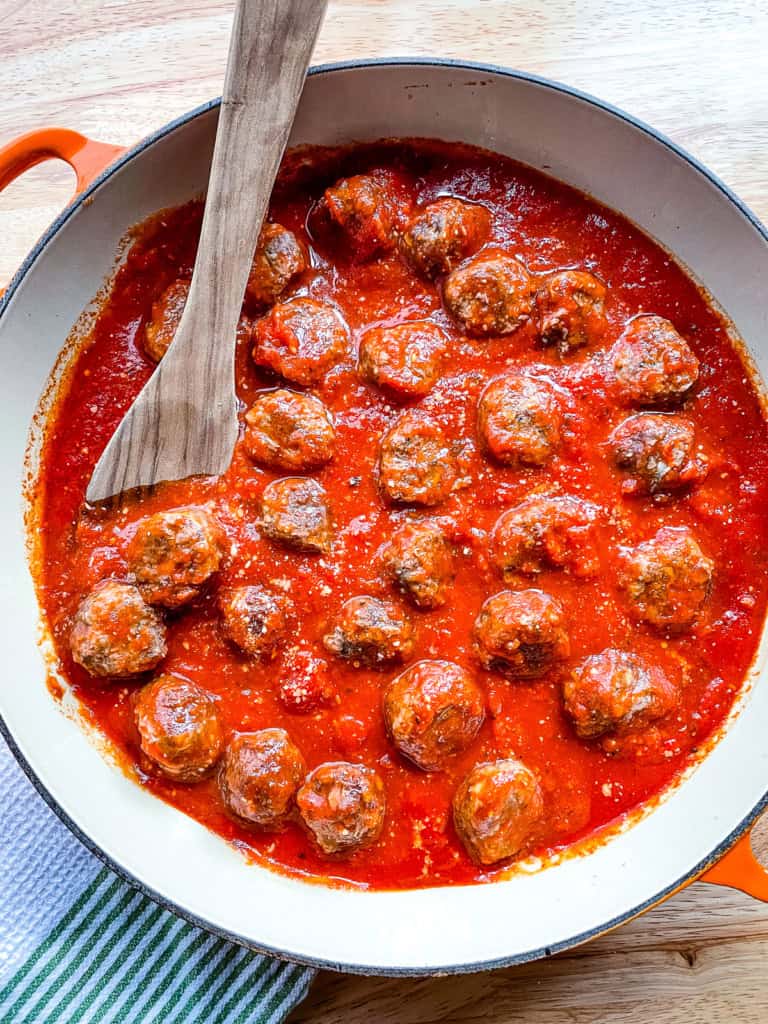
[184, 421]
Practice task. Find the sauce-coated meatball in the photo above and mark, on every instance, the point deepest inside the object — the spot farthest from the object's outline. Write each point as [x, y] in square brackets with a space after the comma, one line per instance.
[541, 533]
[343, 805]
[286, 430]
[259, 777]
[253, 618]
[295, 511]
[433, 711]
[166, 316]
[497, 810]
[616, 692]
[278, 259]
[668, 579]
[419, 559]
[652, 363]
[521, 634]
[570, 308]
[416, 462]
[116, 633]
[404, 361]
[179, 726]
[443, 234]
[301, 339]
[489, 294]
[174, 553]
[658, 452]
[365, 209]
[520, 420]
[372, 632]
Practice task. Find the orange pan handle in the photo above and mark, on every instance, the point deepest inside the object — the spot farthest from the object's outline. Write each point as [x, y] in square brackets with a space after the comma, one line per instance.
[740, 869]
[86, 157]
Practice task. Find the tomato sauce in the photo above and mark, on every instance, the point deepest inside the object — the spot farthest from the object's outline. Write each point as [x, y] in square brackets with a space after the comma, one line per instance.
[336, 715]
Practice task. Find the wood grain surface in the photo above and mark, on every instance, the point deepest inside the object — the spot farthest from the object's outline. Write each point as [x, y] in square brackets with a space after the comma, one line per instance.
[695, 69]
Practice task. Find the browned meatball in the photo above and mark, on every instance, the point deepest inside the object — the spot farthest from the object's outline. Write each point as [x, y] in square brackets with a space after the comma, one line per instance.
[433, 711]
[521, 634]
[668, 579]
[520, 420]
[658, 452]
[254, 619]
[179, 726]
[343, 805]
[173, 554]
[286, 430]
[616, 692]
[444, 233]
[278, 259]
[372, 632]
[116, 633]
[301, 339]
[497, 810]
[295, 511]
[489, 294]
[404, 361]
[416, 462]
[542, 533]
[259, 777]
[420, 561]
[652, 363]
[570, 308]
[160, 329]
[365, 209]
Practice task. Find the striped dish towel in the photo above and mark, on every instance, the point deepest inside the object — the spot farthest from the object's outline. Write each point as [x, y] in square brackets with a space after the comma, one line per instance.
[77, 944]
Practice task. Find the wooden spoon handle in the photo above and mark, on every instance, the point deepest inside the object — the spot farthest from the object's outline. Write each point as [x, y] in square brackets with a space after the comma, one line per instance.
[270, 49]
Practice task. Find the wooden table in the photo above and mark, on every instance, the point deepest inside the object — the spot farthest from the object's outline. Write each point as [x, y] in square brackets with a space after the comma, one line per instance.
[696, 69]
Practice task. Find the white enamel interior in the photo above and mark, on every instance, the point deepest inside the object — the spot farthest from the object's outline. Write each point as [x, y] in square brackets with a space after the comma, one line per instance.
[576, 141]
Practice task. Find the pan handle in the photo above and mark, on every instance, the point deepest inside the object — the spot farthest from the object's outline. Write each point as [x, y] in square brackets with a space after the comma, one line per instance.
[740, 869]
[86, 157]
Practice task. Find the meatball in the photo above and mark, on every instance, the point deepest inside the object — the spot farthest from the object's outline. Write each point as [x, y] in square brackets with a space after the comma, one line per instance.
[668, 579]
[542, 533]
[416, 462]
[343, 805]
[371, 632]
[520, 420]
[365, 209]
[521, 634]
[652, 363]
[253, 618]
[570, 308]
[658, 452]
[173, 554]
[259, 777]
[278, 259]
[497, 810]
[160, 329]
[616, 692]
[420, 561]
[489, 294]
[404, 361]
[295, 512]
[433, 711]
[301, 339]
[443, 234]
[286, 430]
[179, 727]
[116, 633]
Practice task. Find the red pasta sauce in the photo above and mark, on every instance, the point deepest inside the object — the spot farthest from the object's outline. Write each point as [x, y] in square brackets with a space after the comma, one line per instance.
[337, 714]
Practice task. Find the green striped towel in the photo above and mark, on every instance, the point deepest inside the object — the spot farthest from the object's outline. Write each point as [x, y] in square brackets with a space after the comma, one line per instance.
[77, 944]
